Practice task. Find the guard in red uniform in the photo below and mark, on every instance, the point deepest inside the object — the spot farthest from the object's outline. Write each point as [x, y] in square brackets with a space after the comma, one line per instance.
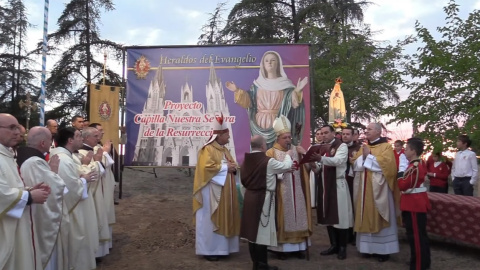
[414, 204]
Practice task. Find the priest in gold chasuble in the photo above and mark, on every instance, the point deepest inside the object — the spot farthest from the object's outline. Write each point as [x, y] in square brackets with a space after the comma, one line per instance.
[377, 202]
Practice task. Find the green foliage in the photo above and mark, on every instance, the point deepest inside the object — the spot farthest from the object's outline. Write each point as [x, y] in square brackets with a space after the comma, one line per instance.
[16, 72]
[212, 29]
[368, 70]
[82, 61]
[445, 90]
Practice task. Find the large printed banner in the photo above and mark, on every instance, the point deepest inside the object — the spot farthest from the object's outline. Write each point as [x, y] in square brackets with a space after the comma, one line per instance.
[174, 94]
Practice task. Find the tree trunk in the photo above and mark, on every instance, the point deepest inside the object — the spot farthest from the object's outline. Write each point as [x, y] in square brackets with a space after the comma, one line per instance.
[13, 73]
[296, 23]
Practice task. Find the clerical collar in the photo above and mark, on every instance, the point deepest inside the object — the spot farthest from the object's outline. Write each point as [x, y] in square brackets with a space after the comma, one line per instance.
[332, 141]
[377, 141]
[87, 145]
[350, 144]
[256, 151]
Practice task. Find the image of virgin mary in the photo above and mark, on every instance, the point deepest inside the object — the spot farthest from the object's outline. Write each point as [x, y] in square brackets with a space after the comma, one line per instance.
[271, 95]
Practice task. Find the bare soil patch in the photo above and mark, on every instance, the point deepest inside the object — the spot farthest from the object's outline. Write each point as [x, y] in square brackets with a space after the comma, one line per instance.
[154, 231]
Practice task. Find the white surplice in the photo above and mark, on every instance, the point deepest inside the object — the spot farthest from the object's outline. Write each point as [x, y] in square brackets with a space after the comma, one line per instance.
[81, 250]
[16, 247]
[95, 191]
[267, 235]
[108, 185]
[48, 218]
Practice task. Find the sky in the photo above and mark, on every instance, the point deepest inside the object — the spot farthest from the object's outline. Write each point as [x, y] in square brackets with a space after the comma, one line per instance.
[165, 22]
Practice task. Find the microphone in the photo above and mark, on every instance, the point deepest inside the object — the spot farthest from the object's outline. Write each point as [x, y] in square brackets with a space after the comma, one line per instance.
[289, 146]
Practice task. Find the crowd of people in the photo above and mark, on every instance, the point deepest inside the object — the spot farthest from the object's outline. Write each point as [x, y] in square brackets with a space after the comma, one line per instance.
[57, 195]
[363, 191]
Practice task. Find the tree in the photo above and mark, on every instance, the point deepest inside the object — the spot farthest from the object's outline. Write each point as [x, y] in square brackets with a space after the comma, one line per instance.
[78, 64]
[341, 46]
[445, 86]
[16, 75]
[368, 69]
[212, 29]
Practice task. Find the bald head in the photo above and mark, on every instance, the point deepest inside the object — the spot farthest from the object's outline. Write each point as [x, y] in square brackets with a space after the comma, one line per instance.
[39, 138]
[258, 143]
[4, 117]
[52, 125]
[9, 130]
[91, 136]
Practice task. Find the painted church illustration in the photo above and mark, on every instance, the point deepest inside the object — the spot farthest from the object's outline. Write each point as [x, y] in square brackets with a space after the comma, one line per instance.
[178, 151]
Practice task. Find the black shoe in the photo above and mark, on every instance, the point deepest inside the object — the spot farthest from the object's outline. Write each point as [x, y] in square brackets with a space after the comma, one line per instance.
[211, 258]
[330, 251]
[366, 255]
[383, 258]
[116, 203]
[264, 266]
[301, 255]
[98, 259]
[281, 256]
[342, 253]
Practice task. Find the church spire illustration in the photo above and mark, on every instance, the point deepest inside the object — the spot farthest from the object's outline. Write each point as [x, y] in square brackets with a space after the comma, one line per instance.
[178, 151]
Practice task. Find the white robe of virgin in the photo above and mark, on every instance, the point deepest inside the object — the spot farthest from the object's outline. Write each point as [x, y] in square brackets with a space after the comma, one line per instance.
[48, 217]
[81, 252]
[16, 247]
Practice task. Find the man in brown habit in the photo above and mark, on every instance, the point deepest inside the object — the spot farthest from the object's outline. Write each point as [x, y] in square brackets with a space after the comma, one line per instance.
[334, 207]
[258, 176]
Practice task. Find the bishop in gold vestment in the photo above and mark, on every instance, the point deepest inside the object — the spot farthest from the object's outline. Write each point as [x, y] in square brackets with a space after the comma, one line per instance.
[294, 218]
[215, 203]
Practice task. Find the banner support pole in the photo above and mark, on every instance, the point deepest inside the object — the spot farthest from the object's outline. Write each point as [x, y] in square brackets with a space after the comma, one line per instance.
[122, 124]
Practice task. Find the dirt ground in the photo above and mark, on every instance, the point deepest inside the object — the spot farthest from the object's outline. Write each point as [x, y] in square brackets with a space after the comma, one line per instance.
[154, 231]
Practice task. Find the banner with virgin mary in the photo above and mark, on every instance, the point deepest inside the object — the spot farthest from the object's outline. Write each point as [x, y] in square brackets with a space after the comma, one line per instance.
[173, 93]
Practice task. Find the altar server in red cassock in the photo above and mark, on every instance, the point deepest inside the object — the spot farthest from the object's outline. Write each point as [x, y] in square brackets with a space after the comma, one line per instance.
[414, 204]
[438, 172]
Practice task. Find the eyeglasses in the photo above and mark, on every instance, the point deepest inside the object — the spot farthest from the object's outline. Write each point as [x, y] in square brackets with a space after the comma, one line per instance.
[12, 127]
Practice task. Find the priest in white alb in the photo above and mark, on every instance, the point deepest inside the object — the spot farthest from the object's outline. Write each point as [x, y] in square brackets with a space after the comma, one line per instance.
[82, 216]
[47, 218]
[16, 248]
[108, 178]
[91, 137]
